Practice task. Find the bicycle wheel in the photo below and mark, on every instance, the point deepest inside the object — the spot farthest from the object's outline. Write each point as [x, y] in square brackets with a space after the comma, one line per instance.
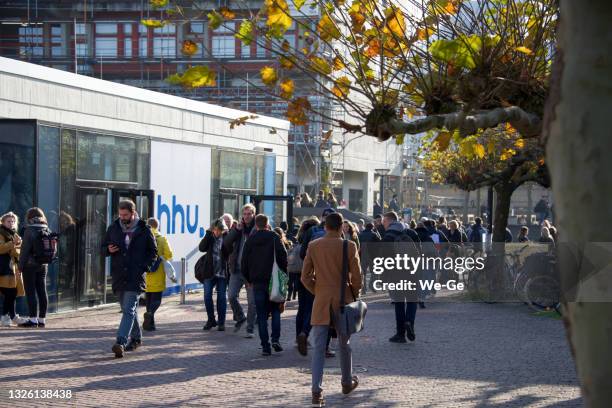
[542, 292]
[519, 285]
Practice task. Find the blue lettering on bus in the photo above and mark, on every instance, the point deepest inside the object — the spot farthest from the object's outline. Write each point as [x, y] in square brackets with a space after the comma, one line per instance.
[176, 216]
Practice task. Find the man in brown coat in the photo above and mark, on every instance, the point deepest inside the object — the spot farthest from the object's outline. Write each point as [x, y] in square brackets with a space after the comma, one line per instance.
[322, 275]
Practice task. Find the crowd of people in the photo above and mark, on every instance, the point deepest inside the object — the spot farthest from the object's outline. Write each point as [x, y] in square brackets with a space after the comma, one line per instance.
[243, 253]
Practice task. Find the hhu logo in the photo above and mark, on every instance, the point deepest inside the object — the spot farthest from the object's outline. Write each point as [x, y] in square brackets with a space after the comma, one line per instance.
[177, 210]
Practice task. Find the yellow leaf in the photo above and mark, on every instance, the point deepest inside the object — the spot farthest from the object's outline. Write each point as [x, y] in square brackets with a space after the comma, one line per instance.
[327, 29]
[296, 111]
[268, 76]
[394, 22]
[524, 50]
[321, 65]
[399, 139]
[285, 62]
[189, 48]
[341, 87]
[153, 23]
[298, 4]
[424, 33]
[158, 3]
[227, 13]
[194, 77]
[479, 150]
[450, 8]
[214, 19]
[443, 140]
[373, 49]
[287, 87]
[278, 15]
[510, 128]
[520, 143]
[491, 146]
[338, 64]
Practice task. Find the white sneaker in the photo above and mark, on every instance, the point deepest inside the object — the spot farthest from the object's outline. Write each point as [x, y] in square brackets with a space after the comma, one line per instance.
[6, 321]
[19, 320]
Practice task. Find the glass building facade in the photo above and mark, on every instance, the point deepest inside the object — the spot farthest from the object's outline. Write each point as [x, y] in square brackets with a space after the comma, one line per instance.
[78, 177]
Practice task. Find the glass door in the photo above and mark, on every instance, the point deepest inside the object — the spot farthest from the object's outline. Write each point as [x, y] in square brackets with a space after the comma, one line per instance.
[142, 198]
[91, 229]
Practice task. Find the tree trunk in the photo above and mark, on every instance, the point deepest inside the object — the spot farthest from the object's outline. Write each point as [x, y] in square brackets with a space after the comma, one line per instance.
[578, 146]
[503, 196]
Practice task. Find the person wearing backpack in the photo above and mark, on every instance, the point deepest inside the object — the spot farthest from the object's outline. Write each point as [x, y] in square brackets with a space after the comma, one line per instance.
[133, 251]
[156, 280]
[261, 251]
[405, 302]
[39, 248]
[11, 282]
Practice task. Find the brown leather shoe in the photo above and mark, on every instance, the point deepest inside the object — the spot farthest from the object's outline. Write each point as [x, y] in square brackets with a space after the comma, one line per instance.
[347, 389]
[302, 343]
[317, 399]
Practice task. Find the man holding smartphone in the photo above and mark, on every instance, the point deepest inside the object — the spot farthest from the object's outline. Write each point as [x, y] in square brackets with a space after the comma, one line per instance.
[236, 239]
[133, 251]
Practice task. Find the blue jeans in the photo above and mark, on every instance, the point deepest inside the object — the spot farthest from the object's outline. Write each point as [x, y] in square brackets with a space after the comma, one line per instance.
[404, 312]
[129, 326]
[304, 313]
[265, 307]
[221, 284]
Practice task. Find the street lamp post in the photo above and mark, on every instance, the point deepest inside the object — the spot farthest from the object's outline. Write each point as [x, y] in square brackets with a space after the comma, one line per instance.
[382, 173]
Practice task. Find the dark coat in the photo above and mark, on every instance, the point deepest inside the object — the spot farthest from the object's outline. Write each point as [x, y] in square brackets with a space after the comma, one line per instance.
[30, 234]
[206, 246]
[257, 259]
[129, 265]
[369, 236]
[457, 236]
[234, 242]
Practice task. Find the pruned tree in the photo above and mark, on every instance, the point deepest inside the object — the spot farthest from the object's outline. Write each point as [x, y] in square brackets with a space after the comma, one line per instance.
[500, 158]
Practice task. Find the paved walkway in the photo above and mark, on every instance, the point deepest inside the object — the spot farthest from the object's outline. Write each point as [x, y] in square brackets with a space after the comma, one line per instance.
[466, 354]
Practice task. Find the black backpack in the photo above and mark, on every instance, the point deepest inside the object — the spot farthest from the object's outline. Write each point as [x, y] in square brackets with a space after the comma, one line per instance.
[45, 246]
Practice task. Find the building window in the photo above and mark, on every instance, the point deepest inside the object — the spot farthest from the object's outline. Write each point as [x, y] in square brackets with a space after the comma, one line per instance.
[106, 40]
[112, 158]
[245, 51]
[261, 47]
[106, 47]
[127, 47]
[223, 43]
[164, 47]
[127, 28]
[57, 44]
[31, 41]
[142, 47]
[164, 41]
[82, 50]
[195, 32]
[106, 28]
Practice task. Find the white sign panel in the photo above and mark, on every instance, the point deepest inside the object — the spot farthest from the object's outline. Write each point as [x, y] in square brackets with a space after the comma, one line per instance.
[180, 177]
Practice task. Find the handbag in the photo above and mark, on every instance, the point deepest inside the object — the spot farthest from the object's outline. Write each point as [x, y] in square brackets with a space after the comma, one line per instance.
[278, 283]
[351, 316]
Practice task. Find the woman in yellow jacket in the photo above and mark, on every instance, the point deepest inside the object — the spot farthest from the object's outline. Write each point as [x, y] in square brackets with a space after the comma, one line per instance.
[156, 281]
[11, 282]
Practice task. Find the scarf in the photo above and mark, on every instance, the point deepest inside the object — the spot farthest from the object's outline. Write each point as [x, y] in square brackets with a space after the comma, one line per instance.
[9, 234]
[129, 229]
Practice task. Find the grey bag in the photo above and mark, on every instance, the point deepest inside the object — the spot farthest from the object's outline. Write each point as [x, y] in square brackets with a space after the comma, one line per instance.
[350, 318]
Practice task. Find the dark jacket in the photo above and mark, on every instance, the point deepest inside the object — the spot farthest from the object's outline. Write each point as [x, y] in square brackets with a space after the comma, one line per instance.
[369, 235]
[234, 241]
[457, 236]
[206, 245]
[476, 234]
[30, 233]
[129, 265]
[257, 259]
[308, 237]
[441, 236]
